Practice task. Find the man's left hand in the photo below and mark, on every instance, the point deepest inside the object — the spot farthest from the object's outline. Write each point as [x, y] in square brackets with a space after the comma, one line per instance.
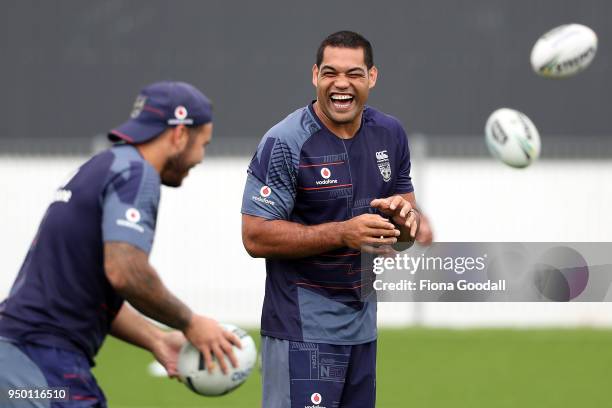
[400, 210]
[167, 351]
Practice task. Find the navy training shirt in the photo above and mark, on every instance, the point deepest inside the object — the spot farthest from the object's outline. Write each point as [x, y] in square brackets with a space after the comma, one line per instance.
[61, 296]
[304, 173]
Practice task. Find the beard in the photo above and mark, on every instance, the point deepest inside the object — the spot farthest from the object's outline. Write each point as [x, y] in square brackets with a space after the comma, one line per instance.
[175, 170]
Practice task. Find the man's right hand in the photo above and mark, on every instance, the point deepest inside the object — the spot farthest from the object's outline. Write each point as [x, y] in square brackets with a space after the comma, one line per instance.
[366, 231]
[210, 338]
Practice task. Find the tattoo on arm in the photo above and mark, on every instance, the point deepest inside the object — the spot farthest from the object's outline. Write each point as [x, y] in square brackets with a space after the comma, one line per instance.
[130, 273]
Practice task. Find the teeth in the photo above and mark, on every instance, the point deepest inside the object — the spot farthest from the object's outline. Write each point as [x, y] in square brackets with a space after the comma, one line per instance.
[341, 97]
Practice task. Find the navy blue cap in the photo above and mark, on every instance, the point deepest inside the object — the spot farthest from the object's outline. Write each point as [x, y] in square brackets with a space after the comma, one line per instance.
[161, 105]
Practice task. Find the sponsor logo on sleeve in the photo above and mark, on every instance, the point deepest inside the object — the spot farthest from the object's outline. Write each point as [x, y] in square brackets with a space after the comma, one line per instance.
[264, 193]
[132, 217]
[382, 160]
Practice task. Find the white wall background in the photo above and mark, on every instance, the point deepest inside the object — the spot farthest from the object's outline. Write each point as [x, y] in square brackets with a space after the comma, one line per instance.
[199, 254]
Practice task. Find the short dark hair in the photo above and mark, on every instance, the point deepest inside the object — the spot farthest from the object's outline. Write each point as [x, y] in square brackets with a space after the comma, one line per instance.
[347, 39]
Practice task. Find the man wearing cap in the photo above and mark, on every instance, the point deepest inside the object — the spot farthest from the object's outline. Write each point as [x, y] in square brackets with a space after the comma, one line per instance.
[90, 255]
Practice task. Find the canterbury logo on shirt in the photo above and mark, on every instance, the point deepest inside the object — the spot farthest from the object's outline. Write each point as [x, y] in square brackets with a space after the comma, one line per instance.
[62, 196]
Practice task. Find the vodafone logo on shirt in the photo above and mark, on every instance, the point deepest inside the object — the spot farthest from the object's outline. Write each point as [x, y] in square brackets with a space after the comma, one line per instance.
[264, 193]
[326, 174]
[132, 216]
[316, 399]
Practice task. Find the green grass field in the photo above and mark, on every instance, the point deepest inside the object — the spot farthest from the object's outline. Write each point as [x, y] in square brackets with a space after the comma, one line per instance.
[419, 368]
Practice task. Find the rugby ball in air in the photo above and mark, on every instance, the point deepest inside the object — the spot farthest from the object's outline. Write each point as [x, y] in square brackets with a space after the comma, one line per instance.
[512, 138]
[193, 373]
[564, 51]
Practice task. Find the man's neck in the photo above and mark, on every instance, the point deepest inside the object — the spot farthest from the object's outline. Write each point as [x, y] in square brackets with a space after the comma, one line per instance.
[342, 130]
[150, 152]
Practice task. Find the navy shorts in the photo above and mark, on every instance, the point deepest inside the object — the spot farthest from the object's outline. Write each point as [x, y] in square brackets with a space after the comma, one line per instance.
[316, 375]
[26, 365]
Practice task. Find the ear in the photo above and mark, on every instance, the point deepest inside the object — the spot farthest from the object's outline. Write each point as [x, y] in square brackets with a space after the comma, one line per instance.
[315, 75]
[178, 138]
[373, 76]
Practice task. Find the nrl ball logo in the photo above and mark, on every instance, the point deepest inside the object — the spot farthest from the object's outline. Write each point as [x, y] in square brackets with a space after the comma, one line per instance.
[382, 159]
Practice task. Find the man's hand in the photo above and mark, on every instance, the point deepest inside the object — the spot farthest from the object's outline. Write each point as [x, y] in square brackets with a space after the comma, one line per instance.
[368, 230]
[401, 211]
[166, 350]
[210, 338]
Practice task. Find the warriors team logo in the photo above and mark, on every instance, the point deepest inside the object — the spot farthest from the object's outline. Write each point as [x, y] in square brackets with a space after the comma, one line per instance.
[382, 159]
[139, 104]
[325, 173]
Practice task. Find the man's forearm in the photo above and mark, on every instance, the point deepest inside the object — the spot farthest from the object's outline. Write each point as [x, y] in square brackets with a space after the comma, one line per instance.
[131, 327]
[285, 239]
[133, 278]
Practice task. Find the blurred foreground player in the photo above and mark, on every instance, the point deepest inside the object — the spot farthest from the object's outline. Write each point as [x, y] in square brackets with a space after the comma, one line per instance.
[91, 253]
[329, 180]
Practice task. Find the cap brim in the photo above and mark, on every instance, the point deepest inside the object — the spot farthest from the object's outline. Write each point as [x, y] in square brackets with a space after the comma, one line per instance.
[134, 131]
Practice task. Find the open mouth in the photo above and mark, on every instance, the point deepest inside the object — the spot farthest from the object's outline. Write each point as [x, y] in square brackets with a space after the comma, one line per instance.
[341, 101]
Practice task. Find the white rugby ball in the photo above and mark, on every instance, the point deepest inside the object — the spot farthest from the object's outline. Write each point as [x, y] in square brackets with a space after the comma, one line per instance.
[193, 373]
[564, 51]
[512, 137]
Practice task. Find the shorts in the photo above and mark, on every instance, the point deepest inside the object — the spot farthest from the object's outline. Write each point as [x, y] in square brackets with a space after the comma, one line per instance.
[26, 366]
[317, 375]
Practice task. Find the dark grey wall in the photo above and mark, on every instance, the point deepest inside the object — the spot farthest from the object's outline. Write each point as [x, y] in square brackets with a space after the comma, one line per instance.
[72, 68]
